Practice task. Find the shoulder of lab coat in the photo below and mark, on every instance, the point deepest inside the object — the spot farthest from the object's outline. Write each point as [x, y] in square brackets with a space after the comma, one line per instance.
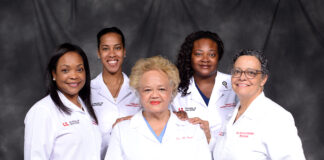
[41, 126]
[39, 130]
[279, 130]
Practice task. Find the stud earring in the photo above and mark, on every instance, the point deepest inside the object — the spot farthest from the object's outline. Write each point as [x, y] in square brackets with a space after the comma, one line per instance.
[53, 79]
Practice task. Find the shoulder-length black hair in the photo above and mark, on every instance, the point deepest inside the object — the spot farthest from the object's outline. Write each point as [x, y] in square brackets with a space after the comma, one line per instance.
[84, 93]
[184, 57]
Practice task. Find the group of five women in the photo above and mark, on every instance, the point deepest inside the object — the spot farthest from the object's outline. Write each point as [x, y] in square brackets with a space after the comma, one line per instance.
[163, 111]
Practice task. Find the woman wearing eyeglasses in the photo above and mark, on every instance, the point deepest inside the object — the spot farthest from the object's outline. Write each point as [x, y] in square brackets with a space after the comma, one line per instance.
[258, 128]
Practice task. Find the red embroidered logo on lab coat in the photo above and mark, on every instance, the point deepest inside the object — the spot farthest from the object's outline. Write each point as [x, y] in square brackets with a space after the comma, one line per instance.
[73, 122]
[228, 105]
[133, 105]
[221, 133]
[245, 134]
[183, 138]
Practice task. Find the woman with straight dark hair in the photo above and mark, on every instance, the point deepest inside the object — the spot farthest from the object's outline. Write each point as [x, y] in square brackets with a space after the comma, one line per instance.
[63, 125]
[112, 97]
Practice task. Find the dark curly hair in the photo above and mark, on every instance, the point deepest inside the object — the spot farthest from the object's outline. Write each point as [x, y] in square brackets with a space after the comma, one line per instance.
[184, 57]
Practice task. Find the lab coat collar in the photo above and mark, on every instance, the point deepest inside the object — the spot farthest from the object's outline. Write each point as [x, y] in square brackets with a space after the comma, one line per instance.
[71, 105]
[137, 122]
[253, 111]
[99, 85]
[255, 108]
[222, 84]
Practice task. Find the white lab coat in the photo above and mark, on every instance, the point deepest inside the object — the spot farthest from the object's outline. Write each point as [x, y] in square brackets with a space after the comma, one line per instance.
[222, 103]
[133, 140]
[53, 135]
[265, 131]
[108, 110]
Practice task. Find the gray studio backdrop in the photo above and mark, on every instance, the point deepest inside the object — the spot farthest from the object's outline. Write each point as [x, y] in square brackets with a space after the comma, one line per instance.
[291, 32]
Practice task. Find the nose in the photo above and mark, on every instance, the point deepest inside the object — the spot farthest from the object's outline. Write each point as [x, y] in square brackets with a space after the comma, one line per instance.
[242, 76]
[74, 75]
[111, 53]
[204, 58]
[155, 94]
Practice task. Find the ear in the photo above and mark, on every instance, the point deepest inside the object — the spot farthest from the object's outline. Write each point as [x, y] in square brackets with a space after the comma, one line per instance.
[98, 53]
[54, 76]
[124, 53]
[264, 80]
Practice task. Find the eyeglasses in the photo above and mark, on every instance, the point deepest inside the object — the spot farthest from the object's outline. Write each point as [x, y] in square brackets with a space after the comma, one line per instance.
[249, 73]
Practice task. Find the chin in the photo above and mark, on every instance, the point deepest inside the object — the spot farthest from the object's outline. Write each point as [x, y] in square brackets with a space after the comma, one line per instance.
[156, 110]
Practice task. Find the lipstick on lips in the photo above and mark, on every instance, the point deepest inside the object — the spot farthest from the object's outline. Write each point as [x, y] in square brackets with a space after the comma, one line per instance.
[155, 102]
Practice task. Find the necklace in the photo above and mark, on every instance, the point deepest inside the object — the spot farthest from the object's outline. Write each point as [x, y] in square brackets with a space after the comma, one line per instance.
[119, 86]
[114, 92]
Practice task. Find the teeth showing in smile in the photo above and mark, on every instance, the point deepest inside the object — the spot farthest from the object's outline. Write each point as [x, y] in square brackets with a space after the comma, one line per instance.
[73, 84]
[112, 62]
[242, 85]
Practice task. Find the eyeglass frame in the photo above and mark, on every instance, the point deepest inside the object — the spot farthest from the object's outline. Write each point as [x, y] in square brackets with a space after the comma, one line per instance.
[241, 72]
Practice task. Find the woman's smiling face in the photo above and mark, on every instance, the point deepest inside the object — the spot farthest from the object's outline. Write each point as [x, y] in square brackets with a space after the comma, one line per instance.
[70, 75]
[248, 88]
[155, 91]
[204, 57]
[111, 52]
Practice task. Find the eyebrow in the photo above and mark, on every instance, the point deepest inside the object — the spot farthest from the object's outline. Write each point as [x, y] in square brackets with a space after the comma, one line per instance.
[69, 65]
[202, 50]
[105, 45]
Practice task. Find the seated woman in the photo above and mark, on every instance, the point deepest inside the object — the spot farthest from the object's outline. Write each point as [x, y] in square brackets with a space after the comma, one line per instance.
[63, 125]
[155, 132]
[259, 128]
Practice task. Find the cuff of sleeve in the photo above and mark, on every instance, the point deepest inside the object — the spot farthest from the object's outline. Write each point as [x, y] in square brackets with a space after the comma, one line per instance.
[212, 143]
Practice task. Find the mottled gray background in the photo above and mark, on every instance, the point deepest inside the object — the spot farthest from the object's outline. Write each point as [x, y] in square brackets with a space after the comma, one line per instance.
[291, 32]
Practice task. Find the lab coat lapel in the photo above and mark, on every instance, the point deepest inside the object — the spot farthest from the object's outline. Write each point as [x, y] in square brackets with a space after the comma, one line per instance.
[138, 123]
[172, 128]
[102, 88]
[125, 90]
[194, 93]
[71, 105]
[220, 88]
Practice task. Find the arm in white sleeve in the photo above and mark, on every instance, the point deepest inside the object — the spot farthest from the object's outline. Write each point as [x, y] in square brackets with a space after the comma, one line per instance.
[282, 140]
[203, 151]
[39, 134]
[114, 151]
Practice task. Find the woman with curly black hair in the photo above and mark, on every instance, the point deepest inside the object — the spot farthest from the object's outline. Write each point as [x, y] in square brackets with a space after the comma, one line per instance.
[204, 93]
